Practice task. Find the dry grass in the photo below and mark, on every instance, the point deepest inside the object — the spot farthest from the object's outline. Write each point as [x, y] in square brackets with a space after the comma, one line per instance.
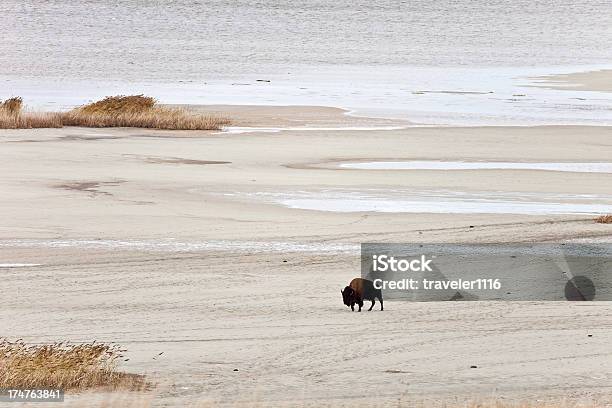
[114, 111]
[64, 366]
[12, 116]
[12, 105]
[30, 120]
[604, 219]
[113, 105]
[138, 111]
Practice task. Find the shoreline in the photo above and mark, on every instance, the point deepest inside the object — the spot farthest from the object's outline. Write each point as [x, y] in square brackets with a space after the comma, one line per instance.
[491, 96]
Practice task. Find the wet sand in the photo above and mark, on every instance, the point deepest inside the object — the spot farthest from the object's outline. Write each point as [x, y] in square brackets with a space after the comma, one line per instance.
[259, 116]
[119, 219]
[598, 81]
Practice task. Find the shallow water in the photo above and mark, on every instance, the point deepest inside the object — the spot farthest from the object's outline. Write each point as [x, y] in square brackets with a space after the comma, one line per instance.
[244, 129]
[383, 91]
[462, 165]
[441, 201]
[18, 265]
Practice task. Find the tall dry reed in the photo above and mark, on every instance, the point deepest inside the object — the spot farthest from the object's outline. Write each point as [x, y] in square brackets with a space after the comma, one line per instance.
[604, 219]
[12, 116]
[139, 111]
[113, 111]
[64, 366]
[30, 120]
[12, 105]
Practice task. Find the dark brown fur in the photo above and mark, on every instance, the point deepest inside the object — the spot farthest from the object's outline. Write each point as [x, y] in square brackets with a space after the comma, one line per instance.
[359, 290]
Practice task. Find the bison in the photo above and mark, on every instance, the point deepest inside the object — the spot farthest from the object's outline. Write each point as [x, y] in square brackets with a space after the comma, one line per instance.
[359, 290]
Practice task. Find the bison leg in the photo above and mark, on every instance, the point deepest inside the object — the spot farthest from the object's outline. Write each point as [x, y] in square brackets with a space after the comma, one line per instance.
[373, 303]
[352, 306]
[360, 305]
[381, 303]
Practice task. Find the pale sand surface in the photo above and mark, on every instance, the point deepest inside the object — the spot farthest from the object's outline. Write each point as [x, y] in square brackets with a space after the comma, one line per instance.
[600, 81]
[282, 324]
[292, 116]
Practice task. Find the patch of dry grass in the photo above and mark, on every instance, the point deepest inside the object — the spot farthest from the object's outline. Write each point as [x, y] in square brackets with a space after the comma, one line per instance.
[12, 116]
[112, 105]
[139, 111]
[157, 118]
[64, 366]
[30, 120]
[12, 105]
[114, 111]
[604, 219]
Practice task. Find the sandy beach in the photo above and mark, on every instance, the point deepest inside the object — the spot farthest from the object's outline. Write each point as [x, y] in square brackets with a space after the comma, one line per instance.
[187, 243]
[147, 265]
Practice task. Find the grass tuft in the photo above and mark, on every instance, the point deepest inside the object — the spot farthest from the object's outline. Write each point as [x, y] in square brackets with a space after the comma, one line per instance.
[12, 105]
[12, 116]
[604, 219]
[113, 111]
[138, 111]
[64, 366]
[113, 105]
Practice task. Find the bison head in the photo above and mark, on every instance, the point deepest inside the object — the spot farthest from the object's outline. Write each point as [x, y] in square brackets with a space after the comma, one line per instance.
[348, 295]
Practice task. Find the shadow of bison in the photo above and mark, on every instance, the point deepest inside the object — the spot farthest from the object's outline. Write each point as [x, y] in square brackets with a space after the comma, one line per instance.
[359, 290]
